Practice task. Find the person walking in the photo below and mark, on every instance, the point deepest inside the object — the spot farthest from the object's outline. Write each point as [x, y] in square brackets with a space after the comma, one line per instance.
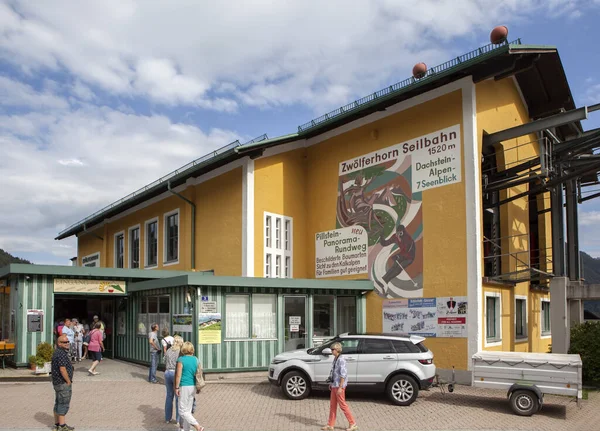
[185, 386]
[78, 330]
[338, 380]
[95, 348]
[62, 381]
[171, 356]
[154, 352]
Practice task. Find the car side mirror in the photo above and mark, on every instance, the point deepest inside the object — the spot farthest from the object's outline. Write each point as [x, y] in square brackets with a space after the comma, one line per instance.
[326, 351]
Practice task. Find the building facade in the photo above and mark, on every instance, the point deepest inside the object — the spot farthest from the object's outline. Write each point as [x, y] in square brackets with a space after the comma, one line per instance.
[400, 188]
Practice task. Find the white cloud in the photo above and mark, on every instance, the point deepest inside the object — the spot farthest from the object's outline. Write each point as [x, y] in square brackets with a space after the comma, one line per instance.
[589, 218]
[59, 167]
[272, 53]
[16, 94]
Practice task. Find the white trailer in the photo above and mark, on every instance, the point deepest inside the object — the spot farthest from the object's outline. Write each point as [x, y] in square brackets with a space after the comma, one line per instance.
[527, 377]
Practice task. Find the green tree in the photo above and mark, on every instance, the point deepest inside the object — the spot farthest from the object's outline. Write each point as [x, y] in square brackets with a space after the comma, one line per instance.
[585, 341]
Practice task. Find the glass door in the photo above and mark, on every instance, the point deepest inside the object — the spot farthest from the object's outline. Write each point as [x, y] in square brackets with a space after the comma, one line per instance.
[294, 311]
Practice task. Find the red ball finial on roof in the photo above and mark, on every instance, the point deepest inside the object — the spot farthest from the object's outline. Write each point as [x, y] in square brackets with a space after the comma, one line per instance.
[499, 34]
[419, 70]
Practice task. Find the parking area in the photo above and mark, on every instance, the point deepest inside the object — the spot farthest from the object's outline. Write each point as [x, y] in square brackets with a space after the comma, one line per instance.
[122, 400]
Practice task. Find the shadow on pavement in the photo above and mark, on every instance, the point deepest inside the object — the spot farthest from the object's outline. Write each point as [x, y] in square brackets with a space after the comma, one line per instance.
[275, 392]
[491, 404]
[301, 419]
[154, 418]
[44, 418]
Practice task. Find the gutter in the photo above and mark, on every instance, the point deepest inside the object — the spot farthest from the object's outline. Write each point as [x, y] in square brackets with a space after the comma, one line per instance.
[193, 222]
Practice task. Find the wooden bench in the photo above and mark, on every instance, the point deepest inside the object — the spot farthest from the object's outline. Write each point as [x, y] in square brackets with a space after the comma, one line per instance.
[7, 349]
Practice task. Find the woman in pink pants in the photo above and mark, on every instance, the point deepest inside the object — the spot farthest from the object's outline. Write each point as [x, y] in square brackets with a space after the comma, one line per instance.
[339, 380]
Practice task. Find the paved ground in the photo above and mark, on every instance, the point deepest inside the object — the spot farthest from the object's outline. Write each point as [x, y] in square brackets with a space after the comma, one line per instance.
[121, 399]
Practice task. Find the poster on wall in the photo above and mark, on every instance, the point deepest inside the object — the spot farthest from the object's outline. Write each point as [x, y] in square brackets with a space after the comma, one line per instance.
[452, 316]
[209, 328]
[410, 316]
[341, 252]
[382, 193]
[182, 323]
[121, 323]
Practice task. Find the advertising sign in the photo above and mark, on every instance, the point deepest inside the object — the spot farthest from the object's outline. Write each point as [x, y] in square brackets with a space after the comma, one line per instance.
[295, 320]
[91, 260]
[452, 316]
[102, 287]
[208, 307]
[382, 193]
[209, 328]
[341, 252]
[182, 322]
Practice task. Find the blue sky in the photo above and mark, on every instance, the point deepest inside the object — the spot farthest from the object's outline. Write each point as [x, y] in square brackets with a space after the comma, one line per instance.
[99, 98]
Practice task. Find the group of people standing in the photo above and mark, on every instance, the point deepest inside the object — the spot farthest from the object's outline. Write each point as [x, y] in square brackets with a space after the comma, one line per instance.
[84, 341]
[183, 376]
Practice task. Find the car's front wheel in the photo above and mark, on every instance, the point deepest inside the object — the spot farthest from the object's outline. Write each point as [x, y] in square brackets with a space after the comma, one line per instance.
[295, 385]
[402, 390]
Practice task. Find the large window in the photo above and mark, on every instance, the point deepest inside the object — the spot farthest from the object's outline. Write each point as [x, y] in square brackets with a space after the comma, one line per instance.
[172, 237]
[545, 318]
[323, 316]
[153, 309]
[278, 231]
[134, 247]
[251, 316]
[521, 318]
[151, 243]
[119, 249]
[492, 318]
[346, 314]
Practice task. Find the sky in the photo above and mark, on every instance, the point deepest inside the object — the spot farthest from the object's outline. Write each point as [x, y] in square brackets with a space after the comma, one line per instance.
[98, 99]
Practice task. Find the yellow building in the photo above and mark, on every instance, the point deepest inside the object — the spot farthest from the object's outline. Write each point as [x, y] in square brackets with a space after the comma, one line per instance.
[400, 187]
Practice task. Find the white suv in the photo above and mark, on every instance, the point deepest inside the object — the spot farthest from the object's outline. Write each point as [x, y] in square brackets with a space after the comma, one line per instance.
[398, 365]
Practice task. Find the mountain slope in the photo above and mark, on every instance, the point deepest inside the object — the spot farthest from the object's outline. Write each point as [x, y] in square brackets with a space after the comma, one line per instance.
[6, 258]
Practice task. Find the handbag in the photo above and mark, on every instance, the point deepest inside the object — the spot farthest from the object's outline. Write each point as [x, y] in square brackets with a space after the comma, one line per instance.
[200, 383]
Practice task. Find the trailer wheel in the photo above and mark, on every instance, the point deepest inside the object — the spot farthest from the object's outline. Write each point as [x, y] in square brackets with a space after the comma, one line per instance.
[524, 402]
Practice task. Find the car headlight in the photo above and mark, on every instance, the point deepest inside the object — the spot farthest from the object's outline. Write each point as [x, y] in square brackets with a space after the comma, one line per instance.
[278, 361]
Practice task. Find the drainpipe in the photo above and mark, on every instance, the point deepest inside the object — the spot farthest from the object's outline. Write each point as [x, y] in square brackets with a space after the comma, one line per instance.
[193, 222]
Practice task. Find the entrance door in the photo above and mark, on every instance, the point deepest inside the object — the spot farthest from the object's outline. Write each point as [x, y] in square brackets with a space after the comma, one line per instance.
[295, 322]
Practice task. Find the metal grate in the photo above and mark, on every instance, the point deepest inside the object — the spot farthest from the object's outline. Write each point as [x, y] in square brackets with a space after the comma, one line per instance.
[402, 85]
[193, 164]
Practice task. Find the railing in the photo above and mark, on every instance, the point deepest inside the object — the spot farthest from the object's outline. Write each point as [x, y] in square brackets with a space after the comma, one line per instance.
[433, 72]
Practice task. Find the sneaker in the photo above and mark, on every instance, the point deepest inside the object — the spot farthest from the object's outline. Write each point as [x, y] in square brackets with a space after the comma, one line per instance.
[65, 427]
[352, 428]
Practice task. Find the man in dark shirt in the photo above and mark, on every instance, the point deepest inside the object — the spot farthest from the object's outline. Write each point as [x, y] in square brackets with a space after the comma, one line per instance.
[62, 379]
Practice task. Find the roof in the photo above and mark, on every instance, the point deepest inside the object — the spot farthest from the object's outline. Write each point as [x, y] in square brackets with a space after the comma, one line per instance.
[537, 68]
[83, 271]
[276, 283]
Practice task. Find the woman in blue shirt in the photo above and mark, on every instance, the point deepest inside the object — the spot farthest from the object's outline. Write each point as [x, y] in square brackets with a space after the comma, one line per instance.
[338, 379]
[185, 386]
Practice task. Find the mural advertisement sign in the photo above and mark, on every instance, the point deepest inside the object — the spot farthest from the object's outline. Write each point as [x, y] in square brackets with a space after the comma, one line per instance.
[209, 328]
[452, 316]
[73, 285]
[341, 252]
[382, 192]
[444, 317]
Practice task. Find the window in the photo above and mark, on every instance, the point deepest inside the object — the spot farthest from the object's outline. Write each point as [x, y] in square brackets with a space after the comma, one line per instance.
[119, 245]
[153, 309]
[323, 316]
[492, 318]
[151, 243]
[521, 329]
[405, 347]
[263, 316]
[278, 246]
[349, 345]
[171, 251]
[376, 346]
[545, 318]
[346, 314]
[134, 247]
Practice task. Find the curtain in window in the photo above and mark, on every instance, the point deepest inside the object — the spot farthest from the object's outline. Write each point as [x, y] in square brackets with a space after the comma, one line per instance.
[237, 316]
[264, 316]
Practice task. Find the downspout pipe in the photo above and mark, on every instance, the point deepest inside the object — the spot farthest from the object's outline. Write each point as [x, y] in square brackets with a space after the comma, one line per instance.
[193, 240]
